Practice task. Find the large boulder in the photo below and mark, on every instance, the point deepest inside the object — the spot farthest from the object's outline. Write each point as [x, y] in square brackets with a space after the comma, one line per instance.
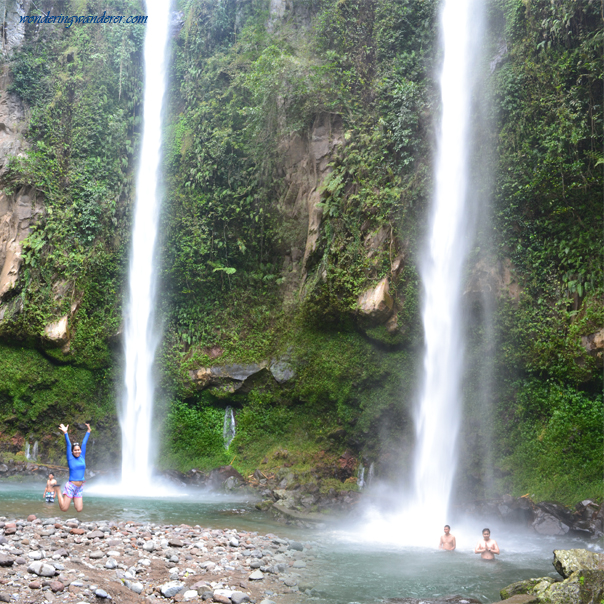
[582, 587]
[568, 561]
[227, 377]
[376, 304]
[528, 586]
[225, 477]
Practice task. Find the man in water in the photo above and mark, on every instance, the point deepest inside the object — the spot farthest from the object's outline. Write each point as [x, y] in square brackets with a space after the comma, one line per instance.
[447, 541]
[49, 489]
[487, 548]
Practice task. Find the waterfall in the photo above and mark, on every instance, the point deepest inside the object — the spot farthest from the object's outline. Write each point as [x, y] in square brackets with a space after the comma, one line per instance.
[371, 473]
[34, 454]
[228, 430]
[451, 233]
[141, 339]
[27, 455]
[361, 477]
[31, 453]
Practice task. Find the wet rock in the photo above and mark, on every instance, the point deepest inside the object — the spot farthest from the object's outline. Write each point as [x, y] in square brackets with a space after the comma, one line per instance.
[525, 587]
[547, 524]
[295, 545]
[219, 476]
[567, 561]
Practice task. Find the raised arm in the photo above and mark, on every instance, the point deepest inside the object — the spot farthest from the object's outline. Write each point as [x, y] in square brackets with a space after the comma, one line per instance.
[68, 452]
[84, 441]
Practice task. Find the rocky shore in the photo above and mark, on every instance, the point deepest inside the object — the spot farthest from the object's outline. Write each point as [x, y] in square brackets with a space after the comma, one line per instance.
[67, 561]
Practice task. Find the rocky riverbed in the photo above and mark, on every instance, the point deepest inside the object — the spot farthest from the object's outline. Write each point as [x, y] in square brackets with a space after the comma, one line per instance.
[67, 561]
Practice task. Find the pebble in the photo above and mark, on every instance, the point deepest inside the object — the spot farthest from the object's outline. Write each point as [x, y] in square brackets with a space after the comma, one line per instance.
[257, 575]
[101, 593]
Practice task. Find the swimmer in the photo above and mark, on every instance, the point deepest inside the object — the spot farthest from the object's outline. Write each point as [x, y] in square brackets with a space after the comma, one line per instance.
[487, 547]
[447, 541]
[49, 489]
[76, 460]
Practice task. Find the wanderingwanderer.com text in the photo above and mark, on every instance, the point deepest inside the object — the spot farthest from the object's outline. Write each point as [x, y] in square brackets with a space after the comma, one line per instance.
[68, 21]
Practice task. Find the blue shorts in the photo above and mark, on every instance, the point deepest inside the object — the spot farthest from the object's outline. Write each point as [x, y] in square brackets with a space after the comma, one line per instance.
[72, 490]
[49, 496]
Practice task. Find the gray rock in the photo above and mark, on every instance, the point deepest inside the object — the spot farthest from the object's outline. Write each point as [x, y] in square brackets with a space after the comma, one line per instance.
[6, 561]
[238, 597]
[35, 555]
[96, 555]
[4, 597]
[136, 587]
[282, 371]
[171, 588]
[111, 563]
[290, 582]
[257, 575]
[546, 524]
[255, 564]
[299, 564]
[149, 546]
[296, 545]
[41, 569]
[189, 595]
[233, 542]
[266, 601]
[101, 593]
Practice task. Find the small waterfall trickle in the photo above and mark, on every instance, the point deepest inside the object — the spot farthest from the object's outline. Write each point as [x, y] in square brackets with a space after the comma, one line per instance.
[31, 453]
[361, 477]
[371, 474]
[141, 338]
[34, 454]
[228, 430]
[27, 454]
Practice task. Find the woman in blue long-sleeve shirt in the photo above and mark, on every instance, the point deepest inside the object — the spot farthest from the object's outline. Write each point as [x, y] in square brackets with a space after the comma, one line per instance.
[76, 460]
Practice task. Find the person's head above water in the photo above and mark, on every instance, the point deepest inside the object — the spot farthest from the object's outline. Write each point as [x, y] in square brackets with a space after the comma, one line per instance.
[447, 529]
[76, 450]
[486, 533]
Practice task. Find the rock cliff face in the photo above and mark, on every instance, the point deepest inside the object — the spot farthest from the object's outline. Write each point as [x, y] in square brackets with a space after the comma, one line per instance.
[17, 213]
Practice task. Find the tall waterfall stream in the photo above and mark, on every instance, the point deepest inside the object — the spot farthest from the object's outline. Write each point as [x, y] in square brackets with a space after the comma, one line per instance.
[140, 336]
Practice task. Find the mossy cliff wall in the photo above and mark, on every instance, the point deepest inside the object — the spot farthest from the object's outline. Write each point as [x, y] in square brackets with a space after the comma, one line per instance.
[298, 151]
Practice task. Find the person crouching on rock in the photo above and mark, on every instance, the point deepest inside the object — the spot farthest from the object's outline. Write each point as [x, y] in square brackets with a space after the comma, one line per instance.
[76, 460]
[49, 489]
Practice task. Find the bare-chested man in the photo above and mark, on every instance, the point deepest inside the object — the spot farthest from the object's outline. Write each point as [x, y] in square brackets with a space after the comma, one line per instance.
[487, 548]
[447, 541]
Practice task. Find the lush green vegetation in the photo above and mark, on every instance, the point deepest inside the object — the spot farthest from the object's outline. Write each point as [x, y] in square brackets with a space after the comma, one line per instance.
[237, 284]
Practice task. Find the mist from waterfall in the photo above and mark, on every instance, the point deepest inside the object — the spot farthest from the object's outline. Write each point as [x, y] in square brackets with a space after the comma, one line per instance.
[141, 338]
[442, 267]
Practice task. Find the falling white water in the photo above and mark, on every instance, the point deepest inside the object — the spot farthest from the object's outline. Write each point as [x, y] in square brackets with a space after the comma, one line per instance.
[417, 518]
[451, 233]
[27, 454]
[361, 477]
[140, 337]
[228, 429]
